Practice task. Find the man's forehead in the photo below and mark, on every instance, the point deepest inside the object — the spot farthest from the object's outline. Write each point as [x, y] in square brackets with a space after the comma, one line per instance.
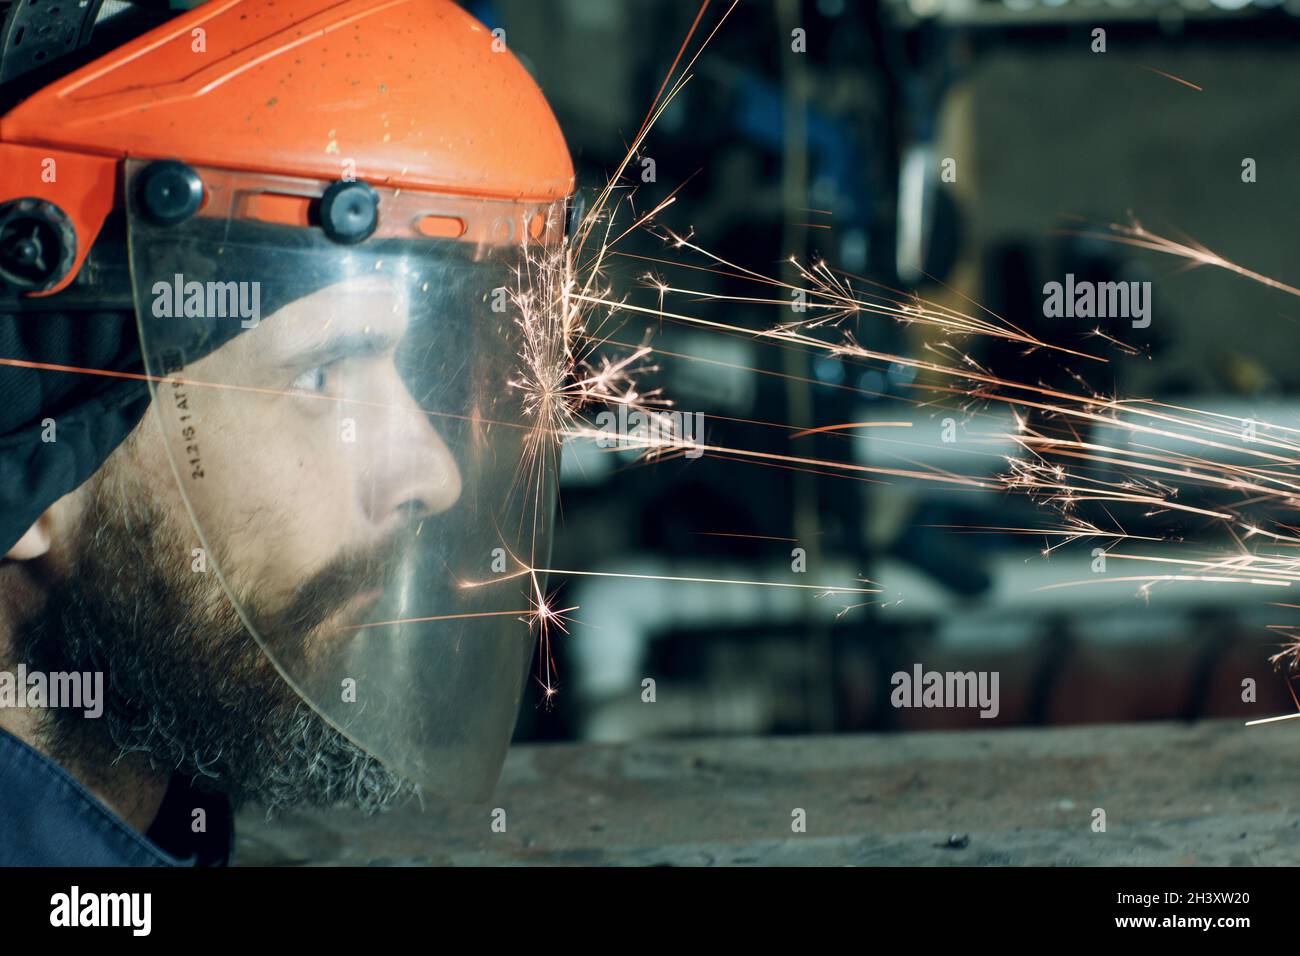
[374, 310]
[372, 306]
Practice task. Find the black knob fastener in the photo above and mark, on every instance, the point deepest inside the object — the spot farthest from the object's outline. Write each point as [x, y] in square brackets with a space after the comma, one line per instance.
[349, 211]
[38, 244]
[169, 192]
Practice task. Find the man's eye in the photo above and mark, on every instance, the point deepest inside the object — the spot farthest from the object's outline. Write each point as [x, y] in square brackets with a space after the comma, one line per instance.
[312, 380]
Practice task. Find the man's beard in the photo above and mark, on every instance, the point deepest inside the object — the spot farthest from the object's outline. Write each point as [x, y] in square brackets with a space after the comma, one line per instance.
[185, 684]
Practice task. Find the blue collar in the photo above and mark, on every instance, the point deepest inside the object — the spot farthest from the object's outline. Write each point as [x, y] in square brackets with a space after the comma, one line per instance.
[47, 818]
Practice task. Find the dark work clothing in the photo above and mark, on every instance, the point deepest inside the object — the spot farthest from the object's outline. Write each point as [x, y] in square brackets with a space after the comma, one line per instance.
[47, 818]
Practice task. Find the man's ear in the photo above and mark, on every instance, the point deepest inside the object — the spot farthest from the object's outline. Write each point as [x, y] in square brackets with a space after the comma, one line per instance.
[35, 543]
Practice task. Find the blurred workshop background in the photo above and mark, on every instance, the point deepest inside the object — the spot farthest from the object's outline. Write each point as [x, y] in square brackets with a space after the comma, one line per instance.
[837, 152]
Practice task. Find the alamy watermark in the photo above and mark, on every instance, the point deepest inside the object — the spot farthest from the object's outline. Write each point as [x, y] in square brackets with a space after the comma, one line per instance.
[74, 690]
[133, 911]
[922, 688]
[1098, 300]
[657, 430]
[208, 300]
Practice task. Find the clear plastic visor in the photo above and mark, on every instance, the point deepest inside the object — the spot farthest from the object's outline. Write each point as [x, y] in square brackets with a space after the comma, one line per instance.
[354, 435]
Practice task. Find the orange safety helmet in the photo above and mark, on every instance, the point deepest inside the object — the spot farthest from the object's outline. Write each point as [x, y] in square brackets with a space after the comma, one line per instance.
[340, 225]
[414, 94]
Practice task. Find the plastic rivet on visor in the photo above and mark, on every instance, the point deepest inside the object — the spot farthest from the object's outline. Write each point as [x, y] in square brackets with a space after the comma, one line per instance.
[169, 192]
[349, 211]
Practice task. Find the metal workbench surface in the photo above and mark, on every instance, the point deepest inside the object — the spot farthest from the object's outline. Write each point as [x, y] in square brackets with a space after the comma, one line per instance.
[1173, 794]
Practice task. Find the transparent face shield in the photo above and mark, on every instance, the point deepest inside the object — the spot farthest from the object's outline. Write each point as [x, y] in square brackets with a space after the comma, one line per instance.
[354, 432]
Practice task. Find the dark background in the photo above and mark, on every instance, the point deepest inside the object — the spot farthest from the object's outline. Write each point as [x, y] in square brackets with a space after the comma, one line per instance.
[1042, 129]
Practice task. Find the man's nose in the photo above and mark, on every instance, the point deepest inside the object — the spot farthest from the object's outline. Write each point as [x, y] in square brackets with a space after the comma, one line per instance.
[409, 469]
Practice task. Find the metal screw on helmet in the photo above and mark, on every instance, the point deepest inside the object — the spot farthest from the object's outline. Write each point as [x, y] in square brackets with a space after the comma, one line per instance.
[349, 211]
[169, 192]
[38, 244]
